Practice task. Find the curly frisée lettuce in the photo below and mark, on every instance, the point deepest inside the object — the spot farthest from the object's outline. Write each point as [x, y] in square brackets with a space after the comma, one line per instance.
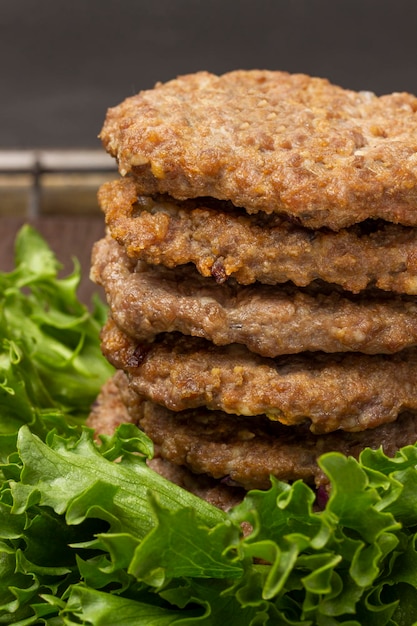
[90, 535]
[50, 361]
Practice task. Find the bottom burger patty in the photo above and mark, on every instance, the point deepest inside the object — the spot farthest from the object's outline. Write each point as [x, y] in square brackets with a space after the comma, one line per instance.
[243, 452]
[112, 409]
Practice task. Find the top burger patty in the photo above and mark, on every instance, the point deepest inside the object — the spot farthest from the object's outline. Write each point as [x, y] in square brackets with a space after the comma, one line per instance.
[223, 242]
[273, 142]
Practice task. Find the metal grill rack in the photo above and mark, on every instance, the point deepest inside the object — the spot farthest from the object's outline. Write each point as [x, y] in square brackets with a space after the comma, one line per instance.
[36, 183]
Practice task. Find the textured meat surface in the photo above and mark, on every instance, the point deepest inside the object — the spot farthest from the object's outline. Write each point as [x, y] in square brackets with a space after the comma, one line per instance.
[221, 242]
[350, 392]
[273, 142]
[248, 452]
[147, 300]
[245, 453]
[110, 411]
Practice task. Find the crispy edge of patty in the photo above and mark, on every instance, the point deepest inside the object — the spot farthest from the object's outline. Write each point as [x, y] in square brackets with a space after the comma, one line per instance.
[223, 242]
[148, 300]
[245, 453]
[111, 409]
[351, 391]
[272, 142]
[248, 454]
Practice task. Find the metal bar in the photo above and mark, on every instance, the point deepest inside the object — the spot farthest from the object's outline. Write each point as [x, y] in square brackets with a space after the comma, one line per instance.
[40, 164]
[26, 161]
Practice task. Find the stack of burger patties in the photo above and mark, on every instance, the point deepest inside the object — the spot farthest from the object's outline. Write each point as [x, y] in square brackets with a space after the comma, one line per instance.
[260, 267]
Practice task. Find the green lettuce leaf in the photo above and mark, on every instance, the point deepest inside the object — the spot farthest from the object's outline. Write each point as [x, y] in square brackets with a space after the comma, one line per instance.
[73, 478]
[104, 609]
[51, 367]
[135, 535]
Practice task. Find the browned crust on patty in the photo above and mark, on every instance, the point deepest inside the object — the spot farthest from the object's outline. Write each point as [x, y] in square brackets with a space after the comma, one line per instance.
[245, 453]
[221, 243]
[148, 300]
[250, 451]
[273, 142]
[109, 411]
[351, 392]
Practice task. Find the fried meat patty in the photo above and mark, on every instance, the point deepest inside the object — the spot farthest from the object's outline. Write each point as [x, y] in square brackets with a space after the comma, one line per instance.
[210, 443]
[272, 142]
[222, 242]
[351, 391]
[260, 267]
[250, 452]
[148, 300]
[109, 411]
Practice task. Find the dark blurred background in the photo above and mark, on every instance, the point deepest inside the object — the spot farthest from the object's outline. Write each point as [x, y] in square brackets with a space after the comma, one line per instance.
[63, 62]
